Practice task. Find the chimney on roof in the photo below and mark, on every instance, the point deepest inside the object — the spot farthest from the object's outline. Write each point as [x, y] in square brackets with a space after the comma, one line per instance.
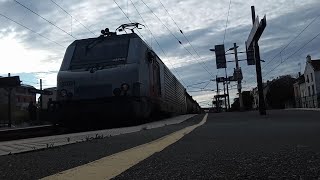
[308, 59]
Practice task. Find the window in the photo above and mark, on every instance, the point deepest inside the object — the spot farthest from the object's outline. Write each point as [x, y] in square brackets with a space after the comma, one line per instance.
[311, 76]
[307, 79]
[105, 51]
[312, 89]
[309, 90]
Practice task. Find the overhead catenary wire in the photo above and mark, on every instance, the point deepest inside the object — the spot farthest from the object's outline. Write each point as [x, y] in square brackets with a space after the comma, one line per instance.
[73, 18]
[304, 45]
[16, 22]
[310, 23]
[128, 19]
[180, 30]
[44, 18]
[204, 67]
[299, 34]
[146, 25]
[225, 30]
[174, 69]
[190, 85]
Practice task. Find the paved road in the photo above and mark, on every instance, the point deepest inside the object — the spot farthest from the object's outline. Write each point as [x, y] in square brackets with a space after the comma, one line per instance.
[42, 163]
[284, 144]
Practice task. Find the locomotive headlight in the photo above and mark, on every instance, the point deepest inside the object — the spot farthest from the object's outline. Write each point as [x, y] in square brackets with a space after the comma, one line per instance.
[117, 92]
[70, 94]
[125, 87]
[63, 93]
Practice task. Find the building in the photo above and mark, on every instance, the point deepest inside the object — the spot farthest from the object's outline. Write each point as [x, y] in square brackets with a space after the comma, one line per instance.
[47, 98]
[20, 99]
[23, 97]
[299, 90]
[20, 96]
[255, 94]
[307, 86]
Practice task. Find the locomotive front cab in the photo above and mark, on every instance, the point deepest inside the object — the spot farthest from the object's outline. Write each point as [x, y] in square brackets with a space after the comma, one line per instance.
[101, 75]
[97, 68]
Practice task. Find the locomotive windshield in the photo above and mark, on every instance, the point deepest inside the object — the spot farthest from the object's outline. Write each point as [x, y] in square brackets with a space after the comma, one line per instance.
[104, 51]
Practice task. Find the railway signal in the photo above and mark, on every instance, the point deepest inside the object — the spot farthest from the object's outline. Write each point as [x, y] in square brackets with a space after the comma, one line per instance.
[221, 61]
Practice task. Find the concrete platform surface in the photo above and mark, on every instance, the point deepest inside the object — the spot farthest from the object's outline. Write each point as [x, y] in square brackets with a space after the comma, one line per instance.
[25, 145]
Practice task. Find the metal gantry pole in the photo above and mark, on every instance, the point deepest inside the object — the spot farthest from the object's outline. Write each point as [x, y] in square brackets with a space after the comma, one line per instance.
[262, 106]
[224, 94]
[217, 97]
[225, 70]
[9, 105]
[40, 94]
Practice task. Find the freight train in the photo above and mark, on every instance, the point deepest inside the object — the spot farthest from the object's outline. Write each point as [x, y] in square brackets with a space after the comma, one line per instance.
[120, 75]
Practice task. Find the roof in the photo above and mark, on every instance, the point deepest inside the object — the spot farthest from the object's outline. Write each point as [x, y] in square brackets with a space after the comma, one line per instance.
[300, 79]
[316, 64]
[27, 86]
[51, 89]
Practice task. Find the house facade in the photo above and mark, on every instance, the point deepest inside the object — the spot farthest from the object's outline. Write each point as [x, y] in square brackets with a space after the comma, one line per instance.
[307, 86]
[255, 94]
[23, 97]
[20, 97]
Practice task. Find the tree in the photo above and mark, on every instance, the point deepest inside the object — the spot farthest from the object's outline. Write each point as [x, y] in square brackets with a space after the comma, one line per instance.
[280, 91]
[247, 99]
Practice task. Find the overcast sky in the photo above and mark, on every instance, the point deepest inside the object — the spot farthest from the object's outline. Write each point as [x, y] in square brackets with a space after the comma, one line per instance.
[37, 52]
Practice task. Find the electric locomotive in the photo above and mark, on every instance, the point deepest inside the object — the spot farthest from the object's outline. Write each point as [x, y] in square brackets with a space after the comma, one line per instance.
[117, 74]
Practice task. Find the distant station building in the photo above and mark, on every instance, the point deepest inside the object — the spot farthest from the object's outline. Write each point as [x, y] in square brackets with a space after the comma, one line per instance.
[20, 99]
[23, 97]
[20, 96]
[307, 86]
[47, 98]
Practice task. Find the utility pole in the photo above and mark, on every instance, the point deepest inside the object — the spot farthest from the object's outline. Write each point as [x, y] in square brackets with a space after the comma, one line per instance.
[227, 80]
[217, 97]
[40, 95]
[224, 93]
[9, 105]
[239, 80]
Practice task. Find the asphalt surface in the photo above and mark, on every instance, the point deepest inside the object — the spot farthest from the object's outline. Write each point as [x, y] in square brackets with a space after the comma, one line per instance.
[38, 164]
[281, 145]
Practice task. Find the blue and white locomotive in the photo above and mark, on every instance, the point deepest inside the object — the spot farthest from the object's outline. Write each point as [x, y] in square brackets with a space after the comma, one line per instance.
[119, 74]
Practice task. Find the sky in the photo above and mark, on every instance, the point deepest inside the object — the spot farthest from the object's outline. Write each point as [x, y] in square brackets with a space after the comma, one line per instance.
[33, 46]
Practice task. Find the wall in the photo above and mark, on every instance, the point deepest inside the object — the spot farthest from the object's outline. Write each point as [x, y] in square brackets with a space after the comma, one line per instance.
[310, 97]
[317, 82]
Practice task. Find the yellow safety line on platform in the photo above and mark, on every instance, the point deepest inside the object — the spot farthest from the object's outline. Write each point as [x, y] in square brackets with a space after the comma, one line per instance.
[113, 165]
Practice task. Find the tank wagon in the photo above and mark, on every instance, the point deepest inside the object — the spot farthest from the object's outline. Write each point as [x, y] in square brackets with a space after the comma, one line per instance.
[119, 75]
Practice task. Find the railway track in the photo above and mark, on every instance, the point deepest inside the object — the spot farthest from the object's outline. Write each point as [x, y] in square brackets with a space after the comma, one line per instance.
[31, 132]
